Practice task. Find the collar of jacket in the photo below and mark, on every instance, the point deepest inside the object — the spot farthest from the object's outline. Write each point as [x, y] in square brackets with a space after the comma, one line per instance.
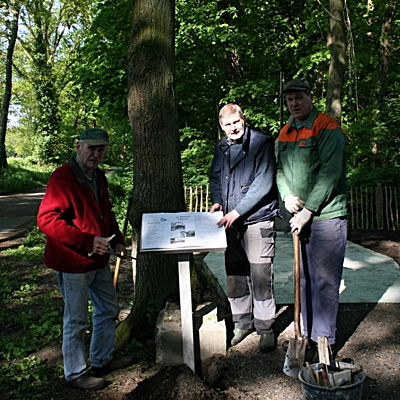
[224, 145]
[79, 173]
[308, 122]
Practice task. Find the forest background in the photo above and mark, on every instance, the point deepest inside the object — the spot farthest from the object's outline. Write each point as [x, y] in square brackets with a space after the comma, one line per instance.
[68, 66]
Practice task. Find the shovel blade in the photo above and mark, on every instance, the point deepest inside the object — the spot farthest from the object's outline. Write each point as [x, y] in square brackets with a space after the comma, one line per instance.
[294, 358]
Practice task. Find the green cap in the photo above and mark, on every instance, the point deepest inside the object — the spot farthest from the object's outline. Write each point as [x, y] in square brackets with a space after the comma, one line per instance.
[95, 137]
[296, 85]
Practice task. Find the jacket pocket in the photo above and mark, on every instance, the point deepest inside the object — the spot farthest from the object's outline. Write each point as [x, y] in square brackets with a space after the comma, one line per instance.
[217, 169]
[308, 150]
[268, 242]
[244, 187]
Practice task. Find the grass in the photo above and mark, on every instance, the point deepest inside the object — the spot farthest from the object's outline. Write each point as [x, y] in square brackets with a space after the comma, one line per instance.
[22, 174]
[30, 318]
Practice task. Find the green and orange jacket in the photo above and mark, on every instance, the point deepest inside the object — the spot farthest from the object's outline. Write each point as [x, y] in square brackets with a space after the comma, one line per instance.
[312, 165]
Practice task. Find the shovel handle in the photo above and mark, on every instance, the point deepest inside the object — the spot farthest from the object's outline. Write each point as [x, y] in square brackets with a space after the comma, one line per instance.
[296, 279]
[116, 272]
[118, 262]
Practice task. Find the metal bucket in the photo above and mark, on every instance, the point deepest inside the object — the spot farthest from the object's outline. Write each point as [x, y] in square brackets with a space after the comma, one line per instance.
[352, 391]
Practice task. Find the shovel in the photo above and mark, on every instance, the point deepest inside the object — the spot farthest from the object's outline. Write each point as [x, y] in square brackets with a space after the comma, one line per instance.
[118, 262]
[295, 354]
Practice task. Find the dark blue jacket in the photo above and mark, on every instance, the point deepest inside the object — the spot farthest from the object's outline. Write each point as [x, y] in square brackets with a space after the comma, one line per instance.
[247, 183]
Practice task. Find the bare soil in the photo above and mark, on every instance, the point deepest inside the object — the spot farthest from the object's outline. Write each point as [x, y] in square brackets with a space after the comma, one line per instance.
[369, 334]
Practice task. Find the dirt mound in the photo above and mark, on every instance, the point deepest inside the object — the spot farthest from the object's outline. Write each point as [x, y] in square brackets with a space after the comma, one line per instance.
[173, 383]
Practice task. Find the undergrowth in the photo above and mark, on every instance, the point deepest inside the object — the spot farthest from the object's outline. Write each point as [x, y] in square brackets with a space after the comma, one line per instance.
[30, 318]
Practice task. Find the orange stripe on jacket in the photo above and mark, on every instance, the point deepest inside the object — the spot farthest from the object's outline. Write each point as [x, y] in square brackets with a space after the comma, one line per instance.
[322, 122]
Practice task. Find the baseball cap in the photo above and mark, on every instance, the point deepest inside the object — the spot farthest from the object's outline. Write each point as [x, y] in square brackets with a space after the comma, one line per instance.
[296, 85]
[95, 137]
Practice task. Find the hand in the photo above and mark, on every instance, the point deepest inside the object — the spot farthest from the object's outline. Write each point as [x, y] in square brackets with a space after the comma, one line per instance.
[293, 204]
[228, 219]
[215, 207]
[120, 250]
[100, 245]
[300, 219]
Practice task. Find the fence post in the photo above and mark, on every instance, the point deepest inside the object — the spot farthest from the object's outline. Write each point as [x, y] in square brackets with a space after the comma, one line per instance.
[379, 206]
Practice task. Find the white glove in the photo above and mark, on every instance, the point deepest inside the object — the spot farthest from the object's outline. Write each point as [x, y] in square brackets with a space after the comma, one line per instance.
[300, 219]
[293, 204]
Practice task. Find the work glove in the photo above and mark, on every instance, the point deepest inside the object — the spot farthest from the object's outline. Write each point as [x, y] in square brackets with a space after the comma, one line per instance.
[300, 219]
[293, 204]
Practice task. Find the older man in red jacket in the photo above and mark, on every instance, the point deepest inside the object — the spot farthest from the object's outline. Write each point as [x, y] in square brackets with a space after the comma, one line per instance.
[76, 216]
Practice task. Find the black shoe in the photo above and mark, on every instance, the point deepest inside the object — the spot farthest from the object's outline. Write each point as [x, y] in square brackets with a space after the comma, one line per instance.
[87, 382]
[267, 342]
[114, 364]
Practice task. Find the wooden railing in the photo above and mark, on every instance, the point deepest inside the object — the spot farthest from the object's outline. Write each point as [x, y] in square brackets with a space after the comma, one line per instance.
[197, 198]
[374, 208]
[368, 208]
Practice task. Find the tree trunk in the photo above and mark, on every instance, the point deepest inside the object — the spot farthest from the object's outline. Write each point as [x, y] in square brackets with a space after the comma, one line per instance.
[158, 184]
[387, 26]
[337, 68]
[8, 86]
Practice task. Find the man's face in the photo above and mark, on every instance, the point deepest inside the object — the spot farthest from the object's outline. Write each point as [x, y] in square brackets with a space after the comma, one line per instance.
[300, 104]
[90, 156]
[233, 126]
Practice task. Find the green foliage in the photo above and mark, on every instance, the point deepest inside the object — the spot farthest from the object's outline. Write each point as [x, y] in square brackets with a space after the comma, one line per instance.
[22, 174]
[120, 184]
[22, 377]
[225, 52]
[374, 144]
[196, 157]
[29, 319]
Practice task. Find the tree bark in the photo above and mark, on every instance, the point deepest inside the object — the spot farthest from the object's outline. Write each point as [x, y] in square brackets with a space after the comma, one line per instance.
[337, 68]
[385, 48]
[8, 85]
[158, 183]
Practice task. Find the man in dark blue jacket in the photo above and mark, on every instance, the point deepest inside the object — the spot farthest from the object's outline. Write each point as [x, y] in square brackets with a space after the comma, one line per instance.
[243, 186]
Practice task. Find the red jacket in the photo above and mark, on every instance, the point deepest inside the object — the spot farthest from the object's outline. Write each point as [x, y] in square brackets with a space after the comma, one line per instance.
[70, 217]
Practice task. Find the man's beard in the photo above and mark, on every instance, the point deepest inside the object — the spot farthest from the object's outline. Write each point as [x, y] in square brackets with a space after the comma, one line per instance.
[236, 135]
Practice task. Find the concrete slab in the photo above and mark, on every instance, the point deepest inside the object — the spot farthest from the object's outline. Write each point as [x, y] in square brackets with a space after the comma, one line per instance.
[369, 277]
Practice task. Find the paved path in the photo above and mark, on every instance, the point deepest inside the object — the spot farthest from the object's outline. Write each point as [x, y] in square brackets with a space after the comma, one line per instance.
[368, 277]
[18, 212]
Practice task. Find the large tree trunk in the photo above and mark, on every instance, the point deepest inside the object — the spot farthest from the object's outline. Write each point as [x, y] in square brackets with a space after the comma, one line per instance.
[385, 48]
[8, 85]
[158, 184]
[337, 68]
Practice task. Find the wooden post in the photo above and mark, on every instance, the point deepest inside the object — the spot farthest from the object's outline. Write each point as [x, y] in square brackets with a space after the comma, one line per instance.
[191, 199]
[196, 207]
[201, 198]
[379, 206]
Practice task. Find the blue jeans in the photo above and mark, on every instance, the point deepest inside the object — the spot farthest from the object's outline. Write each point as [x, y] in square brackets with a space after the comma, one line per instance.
[77, 289]
[323, 246]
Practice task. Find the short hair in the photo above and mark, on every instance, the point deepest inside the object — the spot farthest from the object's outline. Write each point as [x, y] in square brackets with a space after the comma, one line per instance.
[229, 110]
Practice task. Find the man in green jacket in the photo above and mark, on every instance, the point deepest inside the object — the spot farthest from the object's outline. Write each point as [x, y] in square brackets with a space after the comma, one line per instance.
[311, 178]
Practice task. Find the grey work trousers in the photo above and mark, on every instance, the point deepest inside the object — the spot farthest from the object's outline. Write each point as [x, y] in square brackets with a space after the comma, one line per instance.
[250, 279]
